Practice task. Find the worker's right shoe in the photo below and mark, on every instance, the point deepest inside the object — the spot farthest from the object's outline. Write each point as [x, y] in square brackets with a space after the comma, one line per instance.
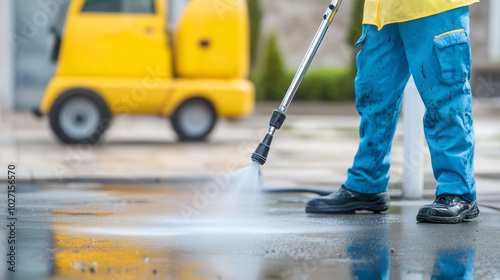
[347, 201]
[448, 209]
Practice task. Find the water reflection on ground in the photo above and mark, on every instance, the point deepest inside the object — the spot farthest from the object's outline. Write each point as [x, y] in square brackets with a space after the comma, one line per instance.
[138, 232]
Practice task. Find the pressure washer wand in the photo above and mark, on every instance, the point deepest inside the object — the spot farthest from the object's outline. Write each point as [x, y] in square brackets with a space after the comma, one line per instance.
[278, 117]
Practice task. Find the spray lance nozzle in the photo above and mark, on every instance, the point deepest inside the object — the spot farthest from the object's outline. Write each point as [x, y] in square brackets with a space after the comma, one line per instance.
[260, 154]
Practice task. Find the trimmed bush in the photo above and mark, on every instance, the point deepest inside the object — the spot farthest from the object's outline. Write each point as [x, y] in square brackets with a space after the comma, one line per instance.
[326, 84]
[318, 85]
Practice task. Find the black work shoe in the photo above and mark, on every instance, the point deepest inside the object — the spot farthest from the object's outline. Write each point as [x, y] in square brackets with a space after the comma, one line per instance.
[347, 201]
[448, 209]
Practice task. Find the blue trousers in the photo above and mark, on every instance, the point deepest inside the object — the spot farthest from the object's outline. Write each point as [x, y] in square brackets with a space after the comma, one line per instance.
[436, 51]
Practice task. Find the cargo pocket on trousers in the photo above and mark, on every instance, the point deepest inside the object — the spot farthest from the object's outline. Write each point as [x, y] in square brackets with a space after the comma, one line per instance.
[360, 41]
[453, 53]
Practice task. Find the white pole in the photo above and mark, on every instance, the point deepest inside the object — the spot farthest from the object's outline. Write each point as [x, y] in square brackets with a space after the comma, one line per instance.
[413, 169]
[494, 26]
[6, 58]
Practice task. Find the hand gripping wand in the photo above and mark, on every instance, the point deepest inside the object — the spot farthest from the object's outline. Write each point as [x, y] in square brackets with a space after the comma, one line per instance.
[278, 117]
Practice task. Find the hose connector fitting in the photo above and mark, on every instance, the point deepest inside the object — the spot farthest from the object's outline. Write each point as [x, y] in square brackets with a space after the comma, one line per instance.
[260, 154]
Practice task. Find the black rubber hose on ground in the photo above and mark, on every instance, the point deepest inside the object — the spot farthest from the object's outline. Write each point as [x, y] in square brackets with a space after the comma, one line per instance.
[298, 190]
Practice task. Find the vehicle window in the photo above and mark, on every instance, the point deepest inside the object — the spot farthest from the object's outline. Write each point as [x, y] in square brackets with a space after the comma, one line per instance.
[138, 6]
[103, 6]
[119, 6]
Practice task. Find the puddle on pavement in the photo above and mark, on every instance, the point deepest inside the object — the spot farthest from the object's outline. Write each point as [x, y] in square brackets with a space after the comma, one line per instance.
[139, 232]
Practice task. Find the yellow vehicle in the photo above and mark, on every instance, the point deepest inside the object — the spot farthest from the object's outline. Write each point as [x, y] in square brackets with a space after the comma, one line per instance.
[117, 57]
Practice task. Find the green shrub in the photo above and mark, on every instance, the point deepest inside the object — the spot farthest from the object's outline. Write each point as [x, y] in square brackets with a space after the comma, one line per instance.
[271, 81]
[356, 29]
[255, 14]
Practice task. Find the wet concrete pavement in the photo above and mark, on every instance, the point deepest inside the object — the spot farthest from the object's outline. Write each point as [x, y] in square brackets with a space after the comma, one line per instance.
[92, 231]
[81, 217]
[315, 147]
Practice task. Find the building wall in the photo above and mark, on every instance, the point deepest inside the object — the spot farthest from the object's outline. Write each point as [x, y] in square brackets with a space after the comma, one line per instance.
[33, 67]
[175, 11]
[6, 50]
[480, 30]
[296, 22]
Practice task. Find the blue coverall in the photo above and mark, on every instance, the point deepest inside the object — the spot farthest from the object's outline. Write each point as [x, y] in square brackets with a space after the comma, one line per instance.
[436, 51]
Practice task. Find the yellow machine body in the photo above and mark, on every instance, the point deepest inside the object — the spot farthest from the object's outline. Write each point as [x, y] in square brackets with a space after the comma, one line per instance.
[213, 44]
[137, 67]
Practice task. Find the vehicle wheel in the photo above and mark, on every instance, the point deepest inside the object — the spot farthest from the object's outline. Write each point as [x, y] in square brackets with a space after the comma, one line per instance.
[194, 119]
[79, 116]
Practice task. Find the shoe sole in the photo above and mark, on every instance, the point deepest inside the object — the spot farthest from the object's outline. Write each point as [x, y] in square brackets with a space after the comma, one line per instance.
[347, 209]
[464, 217]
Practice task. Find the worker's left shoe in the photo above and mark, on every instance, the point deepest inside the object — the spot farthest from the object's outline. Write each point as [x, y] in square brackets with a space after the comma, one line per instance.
[448, 209]
[347, 201]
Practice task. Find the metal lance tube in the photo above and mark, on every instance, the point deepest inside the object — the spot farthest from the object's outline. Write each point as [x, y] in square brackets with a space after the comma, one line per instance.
[278, 117]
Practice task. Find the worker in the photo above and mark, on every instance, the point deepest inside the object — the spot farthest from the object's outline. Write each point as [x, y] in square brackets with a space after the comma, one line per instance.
[428, 39]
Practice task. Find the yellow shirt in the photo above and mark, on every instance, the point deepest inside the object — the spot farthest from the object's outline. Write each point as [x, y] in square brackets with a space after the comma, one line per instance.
[382, 12]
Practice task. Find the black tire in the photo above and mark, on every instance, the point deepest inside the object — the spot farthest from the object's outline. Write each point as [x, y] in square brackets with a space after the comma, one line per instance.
[79, 116]
[191, 127]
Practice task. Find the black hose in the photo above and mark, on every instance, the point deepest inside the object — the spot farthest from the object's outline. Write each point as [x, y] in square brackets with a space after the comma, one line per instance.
[298, 190]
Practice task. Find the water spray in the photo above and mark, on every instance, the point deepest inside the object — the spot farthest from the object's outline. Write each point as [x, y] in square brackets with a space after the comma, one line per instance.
[279, 116]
